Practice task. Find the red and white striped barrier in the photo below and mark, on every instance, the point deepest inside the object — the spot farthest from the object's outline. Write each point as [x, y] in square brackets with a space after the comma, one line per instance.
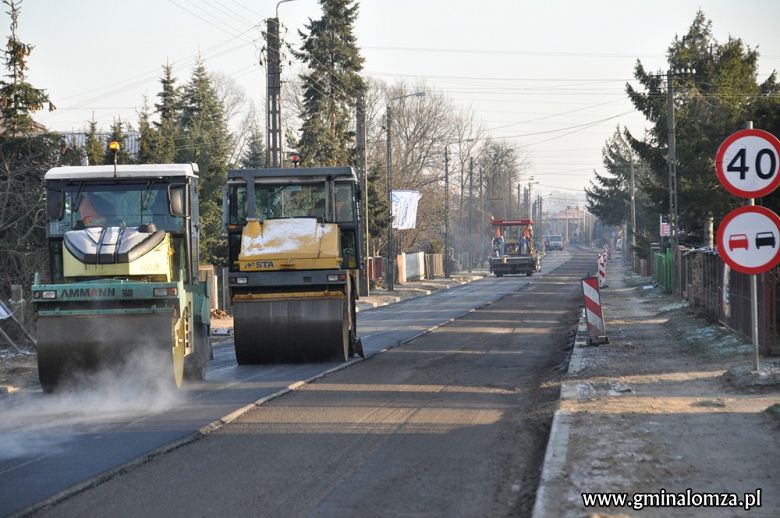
[602, 275]
[593, 313]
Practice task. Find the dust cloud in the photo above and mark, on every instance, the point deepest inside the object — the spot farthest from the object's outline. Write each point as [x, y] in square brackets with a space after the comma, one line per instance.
[36, 425]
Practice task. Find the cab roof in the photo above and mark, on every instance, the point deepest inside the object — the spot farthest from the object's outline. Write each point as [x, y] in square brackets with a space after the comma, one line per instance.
[291, 173]
[98, 172]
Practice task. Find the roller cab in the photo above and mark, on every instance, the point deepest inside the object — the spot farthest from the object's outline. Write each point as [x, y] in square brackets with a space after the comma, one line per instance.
[294, 255]
[123, 284]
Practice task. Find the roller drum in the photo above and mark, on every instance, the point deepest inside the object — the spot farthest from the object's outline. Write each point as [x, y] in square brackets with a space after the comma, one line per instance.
[69, 346]
[291, 330]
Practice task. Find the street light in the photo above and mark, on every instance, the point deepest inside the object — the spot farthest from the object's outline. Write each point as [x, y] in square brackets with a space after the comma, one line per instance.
[447, 202]
[390, 244]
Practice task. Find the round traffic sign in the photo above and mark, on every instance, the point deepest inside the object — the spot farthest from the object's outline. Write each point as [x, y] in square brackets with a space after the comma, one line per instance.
[749, 239]
[748, 163]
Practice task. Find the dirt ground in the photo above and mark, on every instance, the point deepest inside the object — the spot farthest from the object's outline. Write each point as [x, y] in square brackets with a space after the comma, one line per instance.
[657, 409]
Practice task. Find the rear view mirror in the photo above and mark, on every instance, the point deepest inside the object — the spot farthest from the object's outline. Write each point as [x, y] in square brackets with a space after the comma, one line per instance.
[176, 199]
[55, 204]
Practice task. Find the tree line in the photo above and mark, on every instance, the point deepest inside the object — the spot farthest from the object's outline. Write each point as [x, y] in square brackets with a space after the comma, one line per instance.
[716, 91]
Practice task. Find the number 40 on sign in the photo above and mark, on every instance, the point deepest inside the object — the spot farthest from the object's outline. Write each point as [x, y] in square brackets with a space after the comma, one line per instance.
[747, 163]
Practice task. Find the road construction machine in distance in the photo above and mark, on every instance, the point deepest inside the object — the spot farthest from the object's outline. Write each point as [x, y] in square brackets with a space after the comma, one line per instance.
[294, 258]
[514, 251]
[123, 280]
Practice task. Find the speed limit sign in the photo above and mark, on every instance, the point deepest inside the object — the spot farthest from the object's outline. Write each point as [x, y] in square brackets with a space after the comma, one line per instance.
[748, 163]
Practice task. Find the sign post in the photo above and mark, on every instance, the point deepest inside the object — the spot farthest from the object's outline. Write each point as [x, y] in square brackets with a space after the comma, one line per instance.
[748, 166]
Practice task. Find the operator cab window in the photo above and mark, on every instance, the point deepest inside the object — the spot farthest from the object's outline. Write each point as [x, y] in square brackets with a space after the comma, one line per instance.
[290, 201]
[345, 204]
[126, 205]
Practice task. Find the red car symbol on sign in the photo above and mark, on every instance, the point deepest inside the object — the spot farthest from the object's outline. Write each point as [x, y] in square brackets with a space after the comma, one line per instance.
[738, 241]
[765, 239]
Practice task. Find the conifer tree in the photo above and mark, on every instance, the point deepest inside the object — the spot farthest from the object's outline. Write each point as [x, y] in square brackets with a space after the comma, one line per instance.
[18, 98]
[330, 86]
[167, 128]
[204, 138]
[26, 153]
[118, 135]
[147, 136]
[709, 105]
[93, 144]
[254, 156]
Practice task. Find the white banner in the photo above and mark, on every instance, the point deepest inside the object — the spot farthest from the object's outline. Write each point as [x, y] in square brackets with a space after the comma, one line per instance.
[3, 314]
[405, 209]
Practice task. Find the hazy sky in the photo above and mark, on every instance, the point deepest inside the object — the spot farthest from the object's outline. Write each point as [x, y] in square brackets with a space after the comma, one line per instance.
[541, 74]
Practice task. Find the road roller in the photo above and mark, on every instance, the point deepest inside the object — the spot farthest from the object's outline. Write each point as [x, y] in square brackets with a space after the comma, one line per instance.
[294, 254]
[123, 282]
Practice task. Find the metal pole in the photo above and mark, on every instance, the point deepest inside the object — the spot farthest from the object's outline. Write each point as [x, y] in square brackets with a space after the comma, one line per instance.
[672, 176]
[754, 308]
[390, 245]
[633, 210]
[446, 212]
[471, 213]
[754, 297]
[360, 130]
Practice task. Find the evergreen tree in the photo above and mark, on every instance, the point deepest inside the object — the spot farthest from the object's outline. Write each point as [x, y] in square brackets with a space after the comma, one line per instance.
[609, 196]
[118, 135]
[147, 136]
[709, 105]
[26, 154]
[254, 156]
[18, 98]
[168, 109]
[331, 85]
[204, 138]
[93, 144]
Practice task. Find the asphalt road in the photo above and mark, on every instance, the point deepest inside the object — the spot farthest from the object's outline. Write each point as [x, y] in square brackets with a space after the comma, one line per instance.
[51, 445]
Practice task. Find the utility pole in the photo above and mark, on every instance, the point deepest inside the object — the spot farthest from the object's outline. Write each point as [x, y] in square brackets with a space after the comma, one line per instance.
[390, 245]
[519, 209]
[360, 130]
[633, 210]
[539, 211]
[471, 212]
[273, 112]
[672, 175]
[446, 212]
[481, 219]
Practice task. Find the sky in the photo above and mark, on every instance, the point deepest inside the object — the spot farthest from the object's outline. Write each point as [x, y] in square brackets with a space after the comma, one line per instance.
[548, 76]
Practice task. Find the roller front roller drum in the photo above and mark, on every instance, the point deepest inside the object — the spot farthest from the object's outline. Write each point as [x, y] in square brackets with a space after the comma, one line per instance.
[290, 329]
[70, 346]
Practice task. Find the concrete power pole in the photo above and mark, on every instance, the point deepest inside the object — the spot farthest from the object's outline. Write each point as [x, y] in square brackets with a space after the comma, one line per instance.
[471, 212]
[360, 130]
[633, 210]
[672, 175]
[390, 277]
[446, 213]
[273, 154]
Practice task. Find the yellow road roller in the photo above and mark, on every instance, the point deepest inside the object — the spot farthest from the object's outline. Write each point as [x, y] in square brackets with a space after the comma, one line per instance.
[293, 246]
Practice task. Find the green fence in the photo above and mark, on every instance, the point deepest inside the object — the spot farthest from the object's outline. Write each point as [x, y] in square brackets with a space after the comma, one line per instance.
[662, 269]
